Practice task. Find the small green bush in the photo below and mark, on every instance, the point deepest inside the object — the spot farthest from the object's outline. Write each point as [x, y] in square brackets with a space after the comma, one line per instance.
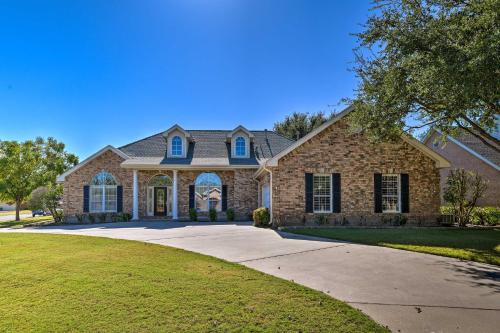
[321, 219]
[261, 217]
[80, 217]
[193, 215]
[102, 217]
[126, 217]
[115, 217]
[230, 214]
[488, 216]
[212, 214]
[91, 218]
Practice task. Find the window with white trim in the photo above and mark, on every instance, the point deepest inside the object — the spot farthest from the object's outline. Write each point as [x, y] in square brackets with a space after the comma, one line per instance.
[322, 193]
[391, 194]
[176, 146]
[241, 146]
[208, 192]
[103, 193]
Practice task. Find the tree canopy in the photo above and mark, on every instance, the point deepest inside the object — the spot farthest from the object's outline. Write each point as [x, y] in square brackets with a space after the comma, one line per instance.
[24, 166]
[298, 124]
[436, 62]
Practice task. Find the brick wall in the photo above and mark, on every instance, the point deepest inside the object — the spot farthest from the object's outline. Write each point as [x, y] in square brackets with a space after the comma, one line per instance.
[73, 185]
[357, 159]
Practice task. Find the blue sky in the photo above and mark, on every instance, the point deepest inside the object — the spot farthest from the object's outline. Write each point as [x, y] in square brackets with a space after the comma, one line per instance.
[92, 73]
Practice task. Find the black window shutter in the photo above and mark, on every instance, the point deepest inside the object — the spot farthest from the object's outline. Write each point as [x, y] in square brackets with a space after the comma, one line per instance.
[336, 192]
[191, 196]
[86, 199]
[119, 199]
[309, 192]
[405, 193]
[224, 198]
[377, 191]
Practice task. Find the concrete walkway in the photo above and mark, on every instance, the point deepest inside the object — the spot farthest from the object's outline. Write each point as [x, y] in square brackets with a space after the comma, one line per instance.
[407, 291]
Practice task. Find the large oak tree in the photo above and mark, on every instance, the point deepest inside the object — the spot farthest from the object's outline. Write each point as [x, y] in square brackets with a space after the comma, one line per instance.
[24, 166]
[436, 62]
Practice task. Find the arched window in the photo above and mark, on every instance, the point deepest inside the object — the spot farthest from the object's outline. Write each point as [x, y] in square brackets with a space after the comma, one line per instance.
[160, 180]
[241, 146]
[103, 193]
[208, 192]
[176, 146]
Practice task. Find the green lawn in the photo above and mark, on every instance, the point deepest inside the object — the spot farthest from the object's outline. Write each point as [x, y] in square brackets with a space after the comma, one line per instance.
[13, 212]
[20, 224]
[59, 283]
[470, 244]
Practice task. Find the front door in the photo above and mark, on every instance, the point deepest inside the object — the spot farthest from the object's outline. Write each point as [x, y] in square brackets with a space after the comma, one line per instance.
[160, 201]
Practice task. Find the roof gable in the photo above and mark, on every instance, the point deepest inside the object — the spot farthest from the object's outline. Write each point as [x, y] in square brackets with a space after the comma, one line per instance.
[120, 153]
[441, 162]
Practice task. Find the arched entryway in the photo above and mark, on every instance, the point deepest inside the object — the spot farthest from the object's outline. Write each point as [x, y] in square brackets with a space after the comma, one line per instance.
[159, 196]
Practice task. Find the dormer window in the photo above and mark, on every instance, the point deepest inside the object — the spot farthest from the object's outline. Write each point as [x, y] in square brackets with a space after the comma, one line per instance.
[176, 146]
[241, 146]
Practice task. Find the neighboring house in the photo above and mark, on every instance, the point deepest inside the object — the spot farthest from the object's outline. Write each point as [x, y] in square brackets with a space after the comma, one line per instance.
[468, 152]
[330, 171]
[5, 206]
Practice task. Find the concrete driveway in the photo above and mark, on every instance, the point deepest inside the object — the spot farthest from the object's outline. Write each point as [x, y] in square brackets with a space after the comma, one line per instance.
[407, 291]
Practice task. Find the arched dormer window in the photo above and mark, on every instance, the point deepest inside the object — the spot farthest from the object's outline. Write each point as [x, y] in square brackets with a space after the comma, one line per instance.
[241, 146]
[103, 193]
[176, 146]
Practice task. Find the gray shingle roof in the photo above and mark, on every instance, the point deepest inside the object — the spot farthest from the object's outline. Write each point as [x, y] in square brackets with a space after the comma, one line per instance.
[479, 147]
[209, 145]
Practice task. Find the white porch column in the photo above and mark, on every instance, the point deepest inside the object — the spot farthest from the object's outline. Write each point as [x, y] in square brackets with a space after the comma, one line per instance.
[135, 197]
[174, 198]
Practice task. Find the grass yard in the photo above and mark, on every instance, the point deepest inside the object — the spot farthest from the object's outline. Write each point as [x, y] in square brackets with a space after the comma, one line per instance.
[13, 212]
[20, 224]
[481, 245]
[60, 283]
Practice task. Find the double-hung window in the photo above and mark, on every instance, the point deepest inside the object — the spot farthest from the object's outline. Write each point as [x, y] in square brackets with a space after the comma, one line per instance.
[391, 194]
[322, 193]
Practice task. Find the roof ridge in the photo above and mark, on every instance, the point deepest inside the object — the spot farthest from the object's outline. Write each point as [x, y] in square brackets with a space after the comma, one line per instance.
[148, 137]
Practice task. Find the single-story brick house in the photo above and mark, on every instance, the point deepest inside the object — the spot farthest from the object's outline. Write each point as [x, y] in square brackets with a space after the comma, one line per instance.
[331, 172]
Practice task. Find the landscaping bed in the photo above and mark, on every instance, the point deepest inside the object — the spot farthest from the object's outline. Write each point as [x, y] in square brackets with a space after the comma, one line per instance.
[66, 283]
[477, 244]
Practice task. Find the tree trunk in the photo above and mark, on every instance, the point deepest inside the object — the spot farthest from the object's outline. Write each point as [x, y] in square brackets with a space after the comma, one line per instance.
[18, 208]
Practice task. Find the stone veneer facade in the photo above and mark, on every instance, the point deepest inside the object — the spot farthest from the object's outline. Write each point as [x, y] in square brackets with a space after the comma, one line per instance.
[336, 150]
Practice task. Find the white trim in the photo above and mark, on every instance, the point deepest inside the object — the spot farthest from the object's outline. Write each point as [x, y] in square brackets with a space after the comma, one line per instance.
[469, 150]
[247, 145]
[441, 162]
[237, 129]
[398, 175]
[174, 197]
[135, 196]
[329, 175]
[147, 166]
[61, 178]
[178, 128]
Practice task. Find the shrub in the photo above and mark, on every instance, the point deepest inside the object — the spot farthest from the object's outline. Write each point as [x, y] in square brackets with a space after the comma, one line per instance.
[126, 217]
[212, 214]
[115, 217]
[399, 220]
[463, 189]
[91, 218]
[261, 217]
[80, 217]
[102, 217]
[321, 219]
[486, 216]
[230, 214]
[193, 215]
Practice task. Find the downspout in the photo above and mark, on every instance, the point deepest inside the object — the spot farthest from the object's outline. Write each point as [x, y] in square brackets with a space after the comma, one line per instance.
[270, 193]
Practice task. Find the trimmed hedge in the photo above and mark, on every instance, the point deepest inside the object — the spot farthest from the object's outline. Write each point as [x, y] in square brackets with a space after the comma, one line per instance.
[480, 215]
[261, 217]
